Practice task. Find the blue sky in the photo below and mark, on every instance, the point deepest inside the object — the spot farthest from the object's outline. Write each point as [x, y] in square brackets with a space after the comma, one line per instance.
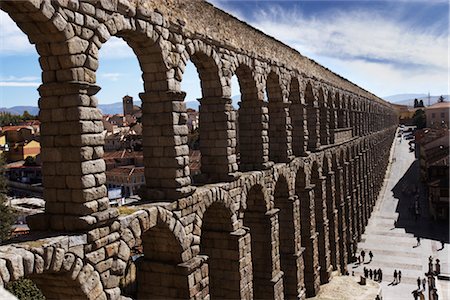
[386, 47]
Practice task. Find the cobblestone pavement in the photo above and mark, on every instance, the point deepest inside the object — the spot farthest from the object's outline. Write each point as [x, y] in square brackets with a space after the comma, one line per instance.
[392, 231]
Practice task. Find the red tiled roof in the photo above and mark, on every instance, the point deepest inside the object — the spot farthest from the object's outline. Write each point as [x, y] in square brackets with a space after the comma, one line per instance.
[122, 154]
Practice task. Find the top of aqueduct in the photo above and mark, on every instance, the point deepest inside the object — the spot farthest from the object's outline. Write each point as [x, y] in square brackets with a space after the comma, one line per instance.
[202, 20]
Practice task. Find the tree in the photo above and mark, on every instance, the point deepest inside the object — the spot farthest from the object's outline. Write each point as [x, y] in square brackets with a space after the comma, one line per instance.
[421, 103]
[441, 99]
[27, 116]
[6, 213]
[25, 289]
[419, 119]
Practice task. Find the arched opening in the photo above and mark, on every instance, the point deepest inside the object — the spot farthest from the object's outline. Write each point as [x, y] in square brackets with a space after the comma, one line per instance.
[288, 253]
[214, 118]
[298, 115]
[191, 85]
[338, 163]
[222, 249]
[308, 234]
[332, 108]
[321, 222]
[332, 213]
[312, 118]
[119, 76]
[251, 150]
[159, 274]
[259, 223]
[324, 117]
[278, 143]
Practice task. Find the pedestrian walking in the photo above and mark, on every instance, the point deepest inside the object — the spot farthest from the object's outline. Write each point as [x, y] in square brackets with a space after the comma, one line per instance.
[399, 276]
[375, 274]
[366, 272]
[418, 282]
[424, 283]
[370, 256]
[415, 294]
[380, 275]
[363, 254]
[395, 276]
[418, 241]
[370, 273]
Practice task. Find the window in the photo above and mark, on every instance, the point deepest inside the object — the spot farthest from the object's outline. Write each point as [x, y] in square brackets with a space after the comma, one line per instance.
[433, 115]
[442, 115]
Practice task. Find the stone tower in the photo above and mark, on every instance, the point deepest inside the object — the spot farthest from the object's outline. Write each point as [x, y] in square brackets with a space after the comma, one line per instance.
[127, 105]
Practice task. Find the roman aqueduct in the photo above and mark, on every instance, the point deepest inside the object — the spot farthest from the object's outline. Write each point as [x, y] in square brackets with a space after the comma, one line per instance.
[273, 216]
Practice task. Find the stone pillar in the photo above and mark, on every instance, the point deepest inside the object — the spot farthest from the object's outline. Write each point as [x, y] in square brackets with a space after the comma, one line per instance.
[309, 241]
[333, 121]
[245, 262]
[185, 280]
[280, 134]
[277, 274]
[313, 125]
[353, 123]
[299, 291]
[324, 121]
[217, 139]
[166, 153]
[360, 201]
[322, 229]
[73, 171]
[253, 135]
[342, 221]
[299, 129]
[332, 214]
[348, 209]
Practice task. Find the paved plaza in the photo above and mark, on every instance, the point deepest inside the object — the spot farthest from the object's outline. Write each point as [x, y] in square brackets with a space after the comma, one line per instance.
[392, 231]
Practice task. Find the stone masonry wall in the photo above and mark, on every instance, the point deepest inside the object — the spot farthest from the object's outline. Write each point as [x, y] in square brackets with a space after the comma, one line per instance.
[287, 183]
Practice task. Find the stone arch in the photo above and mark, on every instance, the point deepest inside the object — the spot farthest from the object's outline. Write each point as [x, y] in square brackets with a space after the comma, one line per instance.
[288, 219]
[208, 65]
[324, 115]
[279, 150]
[320, 205]
[337, 167]
[160, 271]
[250, 120]
[57, 273]
[297, 113]
[221, 244]
[332, 211]
[216, 116]
[308, 231]
[312, 110]
[259, 223]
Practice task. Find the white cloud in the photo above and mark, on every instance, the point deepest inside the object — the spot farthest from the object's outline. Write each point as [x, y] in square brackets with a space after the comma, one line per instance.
[19, 84]
[111, 76]
[365, 46]
[115, 48]
[14, 81]
[12, 39]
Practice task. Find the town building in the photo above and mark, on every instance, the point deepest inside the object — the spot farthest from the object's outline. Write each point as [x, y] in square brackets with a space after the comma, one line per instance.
[438, 114]
[432, 145]
[20, 151]
[128, 178]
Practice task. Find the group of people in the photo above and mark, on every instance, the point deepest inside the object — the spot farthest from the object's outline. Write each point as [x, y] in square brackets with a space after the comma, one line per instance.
[397, 277]
[361, 258]
[376, 274]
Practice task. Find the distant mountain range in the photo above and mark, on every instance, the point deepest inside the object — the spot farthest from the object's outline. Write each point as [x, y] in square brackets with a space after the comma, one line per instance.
[408, 99]
[116, 108]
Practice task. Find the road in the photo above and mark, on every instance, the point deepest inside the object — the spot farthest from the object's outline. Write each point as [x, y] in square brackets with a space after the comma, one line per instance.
[392, 231]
